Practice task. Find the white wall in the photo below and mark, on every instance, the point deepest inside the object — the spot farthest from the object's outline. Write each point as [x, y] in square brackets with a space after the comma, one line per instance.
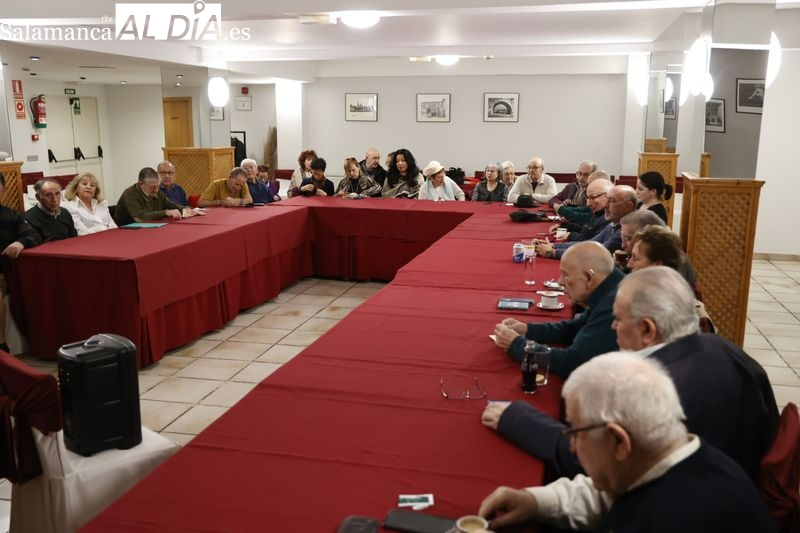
[563, 118]
[136, 126]
[256, 122]
[777, 158]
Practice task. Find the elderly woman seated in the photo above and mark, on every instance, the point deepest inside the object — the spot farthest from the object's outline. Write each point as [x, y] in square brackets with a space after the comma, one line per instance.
[85, 202]
[355, 183]
[438, 187]
[658, 245]
[490, 189]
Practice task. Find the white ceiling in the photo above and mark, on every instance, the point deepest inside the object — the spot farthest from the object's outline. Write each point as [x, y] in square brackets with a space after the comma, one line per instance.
[476, 28]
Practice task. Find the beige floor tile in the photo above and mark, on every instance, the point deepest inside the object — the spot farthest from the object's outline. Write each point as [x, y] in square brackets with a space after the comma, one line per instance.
[793, 307]
[259, 335]
[223, 334]
[787, 266]
[256, 372]
[196, 348]
[784, 395]
[334, 311]
[756, 341]
[244, 319]
[301, 338]
[781, 330]
[772, 306]
[767, 357]
[157, 415]
[320, 325]
[768, 317]
[767, 278]
[788, 297]
[280, 322]
[177, 389]
[221, 369]
[759, 296]
[750, 328]
[148, 381]
[297, 310]
[242, 351]
[5, 515]
[5, 490]
[284, 297]
[782, 376]
[336, 283]
[168, 365]
[362, 292]
[313, 299]
[264, 308]
[228, 394]
[280, 353]
[181, 438]
[324, 289]
[348, 301]
[789, 286]
[301, 286]
[196, 419]
[792, 358]
[783, 343]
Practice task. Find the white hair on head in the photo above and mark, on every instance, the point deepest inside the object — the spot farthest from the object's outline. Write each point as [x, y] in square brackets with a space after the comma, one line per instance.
[630, 390]
[663, 295]
[246, 161]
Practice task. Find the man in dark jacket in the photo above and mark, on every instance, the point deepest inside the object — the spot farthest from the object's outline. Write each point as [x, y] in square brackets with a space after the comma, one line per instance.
[725, 393]
[47, 217]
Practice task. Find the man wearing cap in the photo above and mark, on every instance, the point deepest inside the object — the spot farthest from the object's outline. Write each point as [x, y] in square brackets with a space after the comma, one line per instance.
[438, 186]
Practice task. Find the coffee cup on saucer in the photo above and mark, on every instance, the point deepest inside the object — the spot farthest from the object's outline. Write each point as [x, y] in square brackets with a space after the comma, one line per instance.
[549, 299]
[471, 524]
[561, 233]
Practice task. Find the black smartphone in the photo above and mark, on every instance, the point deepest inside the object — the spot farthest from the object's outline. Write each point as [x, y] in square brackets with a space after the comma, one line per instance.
[415, 522]
[359, 524]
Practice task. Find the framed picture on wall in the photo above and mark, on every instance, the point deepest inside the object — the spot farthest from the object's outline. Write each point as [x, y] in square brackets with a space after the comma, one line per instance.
[671, 109]
[501, 107]
[361, 107]
[216, 113]
[715, 115]
[749, 95]
[433, 107]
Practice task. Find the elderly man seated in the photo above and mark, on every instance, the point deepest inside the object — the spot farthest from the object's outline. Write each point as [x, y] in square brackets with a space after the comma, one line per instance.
[589, 279]
[176, 193]
[646, 472]
[581, 214]
[227, 192]
[47, 218]
[537, 184]
[596, 196]
[725, 393]
[621, 200]
[575, 193]
[145, 201]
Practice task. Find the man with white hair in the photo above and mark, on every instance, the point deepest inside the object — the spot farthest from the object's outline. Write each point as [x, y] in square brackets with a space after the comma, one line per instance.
[537, 184]
[589, 279]
[725, 393]
[170, 188]
[596, 201]
[259, 191]
[646, 473]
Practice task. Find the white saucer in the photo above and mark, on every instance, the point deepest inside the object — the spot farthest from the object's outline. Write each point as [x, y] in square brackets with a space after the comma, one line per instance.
[553, 285]
[556, 308]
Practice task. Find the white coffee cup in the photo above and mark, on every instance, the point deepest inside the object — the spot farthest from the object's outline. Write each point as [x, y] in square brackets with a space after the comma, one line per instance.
[549, 299]
[471, 524]
[561, 233]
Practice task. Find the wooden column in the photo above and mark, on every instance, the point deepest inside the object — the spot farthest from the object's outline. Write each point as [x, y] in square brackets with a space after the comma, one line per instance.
[665, 164]
[718, 226]
[195, 168]
[705, 165]
[655, 144]
[12, 172]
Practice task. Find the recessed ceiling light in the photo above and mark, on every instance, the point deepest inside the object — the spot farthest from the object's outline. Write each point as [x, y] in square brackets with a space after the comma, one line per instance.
[359, 19]
[177, 84]
[179, 76]
[446, 60]
[123, 82]
[34, 58]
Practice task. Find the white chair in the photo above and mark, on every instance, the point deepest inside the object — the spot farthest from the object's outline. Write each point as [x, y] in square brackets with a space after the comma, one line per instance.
[72, 489]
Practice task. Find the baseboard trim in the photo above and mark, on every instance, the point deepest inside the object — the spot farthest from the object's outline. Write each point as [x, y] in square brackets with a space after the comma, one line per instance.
[776, 257]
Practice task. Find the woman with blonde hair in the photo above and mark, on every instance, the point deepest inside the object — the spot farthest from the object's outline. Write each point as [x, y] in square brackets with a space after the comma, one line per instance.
[85, 202]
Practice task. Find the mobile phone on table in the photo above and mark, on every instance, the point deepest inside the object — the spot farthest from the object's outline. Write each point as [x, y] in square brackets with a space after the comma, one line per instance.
[416, 522]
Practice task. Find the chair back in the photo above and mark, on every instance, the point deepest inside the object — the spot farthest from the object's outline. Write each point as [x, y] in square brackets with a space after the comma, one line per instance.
[28, 399]
[779, 477]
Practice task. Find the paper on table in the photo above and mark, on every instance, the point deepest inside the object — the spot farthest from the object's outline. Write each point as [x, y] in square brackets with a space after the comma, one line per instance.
[139, 225]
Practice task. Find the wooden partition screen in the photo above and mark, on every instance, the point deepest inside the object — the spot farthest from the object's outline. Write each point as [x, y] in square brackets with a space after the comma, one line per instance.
[667, 165]
[718, 226]
[195, 168]
[705, 165]
[12, 172]
[655, 144]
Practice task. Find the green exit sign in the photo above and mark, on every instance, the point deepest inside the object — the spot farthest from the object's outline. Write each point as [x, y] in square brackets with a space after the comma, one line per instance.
[69, 91]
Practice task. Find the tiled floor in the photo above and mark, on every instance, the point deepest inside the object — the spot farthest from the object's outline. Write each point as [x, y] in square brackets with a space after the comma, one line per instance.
[193, 385]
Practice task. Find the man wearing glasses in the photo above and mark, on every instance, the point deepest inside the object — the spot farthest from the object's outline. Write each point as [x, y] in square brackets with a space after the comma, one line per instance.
[645, 471]
[537, 184]
[596, 196]
[173, 191]
[725, 393]
[575, 193]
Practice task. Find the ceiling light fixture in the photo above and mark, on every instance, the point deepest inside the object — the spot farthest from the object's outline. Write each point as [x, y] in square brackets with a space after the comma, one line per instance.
[446, 60]
[123, 82]
[218, 92]
[359, 19]
[34, 58]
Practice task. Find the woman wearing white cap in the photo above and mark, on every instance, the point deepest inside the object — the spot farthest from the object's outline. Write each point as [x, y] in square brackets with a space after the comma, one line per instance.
[438, 187]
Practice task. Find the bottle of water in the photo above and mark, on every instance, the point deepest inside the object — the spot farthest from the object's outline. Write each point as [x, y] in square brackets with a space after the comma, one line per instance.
[529, 368]
[530, 264]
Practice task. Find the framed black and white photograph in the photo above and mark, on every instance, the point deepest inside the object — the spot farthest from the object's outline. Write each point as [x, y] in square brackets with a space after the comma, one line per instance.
[433, 107]
[749, 95]
[501, 107]
[361, 107]
[671, 109]
[216, 113]
[715, 115]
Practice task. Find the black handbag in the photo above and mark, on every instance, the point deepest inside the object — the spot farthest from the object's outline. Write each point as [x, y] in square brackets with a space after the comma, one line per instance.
[524, 200]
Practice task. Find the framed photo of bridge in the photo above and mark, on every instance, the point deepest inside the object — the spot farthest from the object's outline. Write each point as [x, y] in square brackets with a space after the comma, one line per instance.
[501, 107]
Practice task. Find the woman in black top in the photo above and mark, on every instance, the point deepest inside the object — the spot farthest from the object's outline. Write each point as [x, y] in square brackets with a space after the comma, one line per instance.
[652, 192]
[491, 189]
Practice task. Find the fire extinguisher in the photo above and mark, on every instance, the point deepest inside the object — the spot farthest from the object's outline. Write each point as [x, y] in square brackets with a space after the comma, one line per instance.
[39, 111]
